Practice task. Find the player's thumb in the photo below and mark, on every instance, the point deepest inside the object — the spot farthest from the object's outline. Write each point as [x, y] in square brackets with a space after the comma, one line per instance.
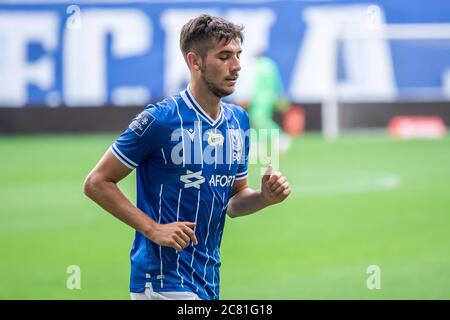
[267, 174]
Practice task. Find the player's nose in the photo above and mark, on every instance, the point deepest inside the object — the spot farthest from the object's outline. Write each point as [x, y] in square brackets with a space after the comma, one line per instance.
[235, 65]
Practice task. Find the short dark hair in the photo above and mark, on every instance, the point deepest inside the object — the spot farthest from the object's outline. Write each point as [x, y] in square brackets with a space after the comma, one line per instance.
[196, 35]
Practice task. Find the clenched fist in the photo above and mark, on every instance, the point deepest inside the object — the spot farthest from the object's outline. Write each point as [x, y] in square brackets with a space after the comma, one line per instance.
[177, 235]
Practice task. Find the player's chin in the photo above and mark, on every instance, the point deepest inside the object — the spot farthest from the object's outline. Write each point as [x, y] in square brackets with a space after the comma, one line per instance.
[229, 88]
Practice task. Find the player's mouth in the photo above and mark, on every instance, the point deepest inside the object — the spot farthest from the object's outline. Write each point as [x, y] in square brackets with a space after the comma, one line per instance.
[231, 80]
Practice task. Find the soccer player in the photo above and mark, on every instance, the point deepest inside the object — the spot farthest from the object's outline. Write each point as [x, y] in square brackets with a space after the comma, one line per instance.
[267, 96]
[191, 156]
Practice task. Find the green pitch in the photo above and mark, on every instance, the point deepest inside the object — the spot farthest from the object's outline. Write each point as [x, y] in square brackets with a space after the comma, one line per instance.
[362, 201]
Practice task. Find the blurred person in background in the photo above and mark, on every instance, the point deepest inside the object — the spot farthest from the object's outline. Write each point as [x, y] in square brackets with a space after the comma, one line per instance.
[267, 97]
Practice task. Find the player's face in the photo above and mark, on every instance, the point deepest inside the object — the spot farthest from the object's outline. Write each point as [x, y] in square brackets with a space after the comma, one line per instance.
[220, 69]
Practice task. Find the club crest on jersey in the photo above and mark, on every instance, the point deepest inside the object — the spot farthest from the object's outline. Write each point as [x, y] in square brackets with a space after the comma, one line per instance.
[215, 138]
[141, 123]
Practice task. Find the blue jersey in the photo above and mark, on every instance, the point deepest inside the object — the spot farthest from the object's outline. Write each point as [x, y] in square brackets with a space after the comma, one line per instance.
[186, 165]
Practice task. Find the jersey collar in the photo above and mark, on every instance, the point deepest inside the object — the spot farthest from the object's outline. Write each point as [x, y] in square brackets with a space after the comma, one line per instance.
[193, 104]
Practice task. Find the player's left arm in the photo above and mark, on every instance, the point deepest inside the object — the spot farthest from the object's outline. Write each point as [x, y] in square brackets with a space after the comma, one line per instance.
[244, 200]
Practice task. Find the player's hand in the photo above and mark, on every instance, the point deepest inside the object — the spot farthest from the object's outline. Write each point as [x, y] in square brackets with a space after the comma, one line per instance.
[176, 235]
[274, 187]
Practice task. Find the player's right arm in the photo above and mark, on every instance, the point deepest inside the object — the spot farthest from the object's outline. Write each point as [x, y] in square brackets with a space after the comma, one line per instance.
[101, 186]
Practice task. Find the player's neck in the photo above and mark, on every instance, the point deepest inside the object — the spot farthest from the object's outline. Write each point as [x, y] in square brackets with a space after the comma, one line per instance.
[206, 99]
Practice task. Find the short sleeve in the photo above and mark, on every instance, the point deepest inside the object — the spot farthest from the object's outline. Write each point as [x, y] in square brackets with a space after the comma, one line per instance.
[242, 171]
[147, 132]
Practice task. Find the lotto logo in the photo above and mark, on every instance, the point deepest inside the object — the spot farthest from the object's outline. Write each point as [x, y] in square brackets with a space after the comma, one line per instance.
[192, 179]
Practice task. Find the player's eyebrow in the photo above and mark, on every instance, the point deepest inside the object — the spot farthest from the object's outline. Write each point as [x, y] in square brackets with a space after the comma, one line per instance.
[230, 52]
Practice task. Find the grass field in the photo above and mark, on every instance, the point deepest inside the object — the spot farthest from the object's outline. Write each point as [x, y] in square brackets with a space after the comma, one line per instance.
[364, 200]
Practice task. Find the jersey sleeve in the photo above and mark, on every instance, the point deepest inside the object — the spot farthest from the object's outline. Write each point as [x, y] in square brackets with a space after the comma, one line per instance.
[242, 171]
[147, 133]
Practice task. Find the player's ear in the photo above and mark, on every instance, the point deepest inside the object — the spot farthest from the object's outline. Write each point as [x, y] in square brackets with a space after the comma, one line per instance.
[193, 60]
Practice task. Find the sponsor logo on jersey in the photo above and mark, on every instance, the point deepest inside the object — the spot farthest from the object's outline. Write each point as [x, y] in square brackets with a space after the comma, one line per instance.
[221, 180]
[236, 139]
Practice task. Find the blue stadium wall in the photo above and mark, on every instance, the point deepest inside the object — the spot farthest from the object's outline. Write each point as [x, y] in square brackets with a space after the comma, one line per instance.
[101, 54]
